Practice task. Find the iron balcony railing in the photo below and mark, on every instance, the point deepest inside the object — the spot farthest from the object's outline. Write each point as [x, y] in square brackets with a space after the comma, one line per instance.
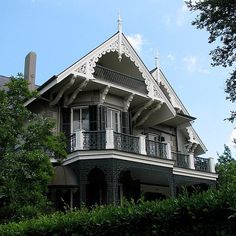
[108, 139]
[126, 142]
[202, 164]
[156, 149]
[94, 140]
[71, 143]
[119, 78]
[181, 160]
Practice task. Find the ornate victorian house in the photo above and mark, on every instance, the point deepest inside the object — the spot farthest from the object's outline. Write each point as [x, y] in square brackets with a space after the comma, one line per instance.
[129, 134]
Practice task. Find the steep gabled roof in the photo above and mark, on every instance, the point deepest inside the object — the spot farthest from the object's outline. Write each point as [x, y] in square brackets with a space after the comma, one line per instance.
[117, 43]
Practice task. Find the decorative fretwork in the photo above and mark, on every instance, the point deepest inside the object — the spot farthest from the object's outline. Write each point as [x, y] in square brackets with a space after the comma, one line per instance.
[120, 79]
[181, 160]
[156, 149]
[202, 164]
[126, 142]
[94, 140]
[71, 142]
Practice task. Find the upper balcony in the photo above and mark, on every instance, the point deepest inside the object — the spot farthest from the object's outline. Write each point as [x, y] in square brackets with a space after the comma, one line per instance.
[108, 139]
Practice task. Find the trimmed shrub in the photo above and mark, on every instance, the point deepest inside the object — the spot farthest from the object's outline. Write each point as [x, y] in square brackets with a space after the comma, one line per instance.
[208, 213]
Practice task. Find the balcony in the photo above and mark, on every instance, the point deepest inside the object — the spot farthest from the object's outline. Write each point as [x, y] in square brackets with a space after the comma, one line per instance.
[108, 139]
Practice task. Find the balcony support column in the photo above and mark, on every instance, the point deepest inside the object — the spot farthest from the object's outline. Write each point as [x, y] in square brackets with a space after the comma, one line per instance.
[212, 165]
[168, 151]
[109, 138]
[191, 161]
[142, 144]
[79, 140]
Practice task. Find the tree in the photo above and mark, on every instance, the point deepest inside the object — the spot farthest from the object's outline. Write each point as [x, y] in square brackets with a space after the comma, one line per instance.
[26, 140]
[226, 168]
[218, 17]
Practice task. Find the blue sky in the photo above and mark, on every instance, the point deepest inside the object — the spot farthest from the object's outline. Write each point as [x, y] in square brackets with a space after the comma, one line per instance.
[62, 31]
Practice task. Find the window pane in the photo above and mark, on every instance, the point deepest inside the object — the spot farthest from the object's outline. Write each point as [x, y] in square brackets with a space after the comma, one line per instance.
[76, 120]
[85, 119]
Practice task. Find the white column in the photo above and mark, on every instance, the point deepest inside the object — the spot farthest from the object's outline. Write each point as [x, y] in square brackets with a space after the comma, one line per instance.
[212, 165]
[109, 138]
[79, 140]
[191, 161]
[168, 151]
[142, 144]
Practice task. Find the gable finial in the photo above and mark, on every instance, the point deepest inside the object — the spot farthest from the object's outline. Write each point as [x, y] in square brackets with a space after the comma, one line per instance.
[157, 65]
[119, 23]
[119, 37]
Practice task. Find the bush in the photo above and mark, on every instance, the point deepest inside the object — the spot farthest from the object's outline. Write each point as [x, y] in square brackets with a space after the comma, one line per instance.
[208, 213]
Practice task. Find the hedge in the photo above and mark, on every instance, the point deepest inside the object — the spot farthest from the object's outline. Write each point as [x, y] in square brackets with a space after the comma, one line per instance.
[208, 213]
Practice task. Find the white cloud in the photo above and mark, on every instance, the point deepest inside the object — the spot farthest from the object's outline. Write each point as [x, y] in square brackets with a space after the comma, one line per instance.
[190, 63]
[182, 15]
[136, 40]
[193, 66]
[171, 57]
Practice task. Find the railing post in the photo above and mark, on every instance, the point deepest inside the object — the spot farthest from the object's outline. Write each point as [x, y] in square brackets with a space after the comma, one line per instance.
[79, 140]
[212, 165]
[191, 164]
[109, 138]
[168, 151]
[142, 144]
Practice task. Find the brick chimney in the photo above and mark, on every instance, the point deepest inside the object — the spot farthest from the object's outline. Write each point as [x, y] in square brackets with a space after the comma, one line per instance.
[30, 69]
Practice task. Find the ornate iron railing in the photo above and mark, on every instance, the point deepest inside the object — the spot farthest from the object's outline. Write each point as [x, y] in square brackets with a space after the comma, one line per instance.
[181, 160]
[156, 149]
[71, 142]
[119, 78]
[202, 164]
[126, 142]
[94, 140]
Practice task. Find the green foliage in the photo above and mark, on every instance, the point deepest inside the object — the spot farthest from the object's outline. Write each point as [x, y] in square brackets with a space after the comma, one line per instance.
[26, 140]
[226, 169]
[207, 213]
[218, 17]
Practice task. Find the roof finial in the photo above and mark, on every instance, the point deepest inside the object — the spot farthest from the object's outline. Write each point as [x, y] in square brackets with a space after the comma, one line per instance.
[119, 38]
[119, 23]
[157, 65]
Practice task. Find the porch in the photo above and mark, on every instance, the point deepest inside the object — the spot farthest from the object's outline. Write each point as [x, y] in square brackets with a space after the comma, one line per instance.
[110, 140]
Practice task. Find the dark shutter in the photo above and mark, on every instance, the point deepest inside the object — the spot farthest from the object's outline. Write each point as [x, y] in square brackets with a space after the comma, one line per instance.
[125, 123]
[103, 117]
[93, 121]
[65, 121]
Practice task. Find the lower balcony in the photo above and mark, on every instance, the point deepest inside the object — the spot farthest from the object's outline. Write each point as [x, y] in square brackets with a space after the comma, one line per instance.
[108, 139]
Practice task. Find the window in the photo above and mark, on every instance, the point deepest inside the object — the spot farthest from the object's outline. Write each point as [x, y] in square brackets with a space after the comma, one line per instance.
[80, 119]
[113, 119]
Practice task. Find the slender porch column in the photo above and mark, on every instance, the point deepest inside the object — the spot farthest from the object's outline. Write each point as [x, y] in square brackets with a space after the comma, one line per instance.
[109, 138]
[168, 151]
[172, 185]
[142, 144]
[191, 161]
[212, 165]
[79, 140]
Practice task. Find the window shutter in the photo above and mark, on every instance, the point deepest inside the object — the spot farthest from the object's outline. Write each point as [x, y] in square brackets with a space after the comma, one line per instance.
[125, 123]
[93, 122]
[66, 120]
[103, 117]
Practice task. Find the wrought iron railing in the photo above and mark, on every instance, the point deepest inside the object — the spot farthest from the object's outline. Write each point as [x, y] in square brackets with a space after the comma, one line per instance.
[202, 164]
[156, 149]
[71, 142]
[94, 140]
[181, 160]
[119, 78]
[126, 142]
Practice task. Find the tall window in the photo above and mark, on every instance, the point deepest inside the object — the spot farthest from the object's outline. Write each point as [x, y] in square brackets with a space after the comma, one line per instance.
[80, 118]
[113, 119]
